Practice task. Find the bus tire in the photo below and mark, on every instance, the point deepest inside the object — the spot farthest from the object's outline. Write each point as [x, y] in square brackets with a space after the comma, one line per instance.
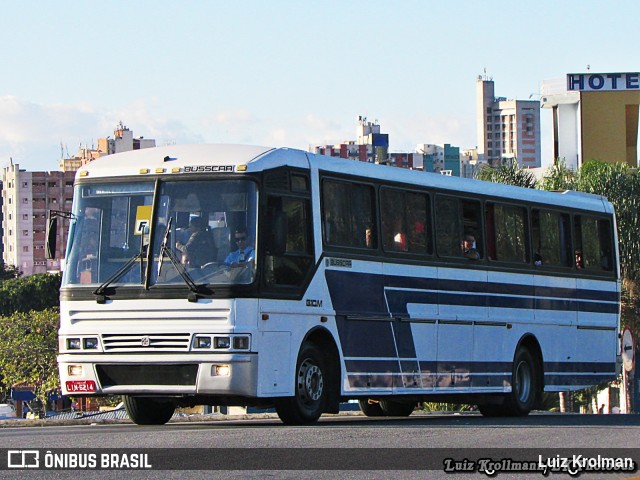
[492, 410]
[149, 411]
[525, 384]
[392, 408]
[372, 409]
[310, 389]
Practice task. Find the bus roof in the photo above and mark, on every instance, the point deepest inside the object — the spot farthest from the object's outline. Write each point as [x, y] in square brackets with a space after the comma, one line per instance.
[175, 159]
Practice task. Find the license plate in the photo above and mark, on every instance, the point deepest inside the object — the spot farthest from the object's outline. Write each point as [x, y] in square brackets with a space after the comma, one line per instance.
[83, 386]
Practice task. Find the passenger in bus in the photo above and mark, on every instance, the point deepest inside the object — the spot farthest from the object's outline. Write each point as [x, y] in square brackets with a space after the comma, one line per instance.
[200, 248]
[245, 253]
[579, 260]
[369, 238]
[537, 259]
[469, 248]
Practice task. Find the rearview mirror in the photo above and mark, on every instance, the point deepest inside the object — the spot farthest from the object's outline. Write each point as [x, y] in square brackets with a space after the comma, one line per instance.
[52, 229]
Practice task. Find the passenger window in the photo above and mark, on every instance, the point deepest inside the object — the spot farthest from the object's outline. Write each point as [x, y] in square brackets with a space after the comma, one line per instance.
[507, 233]
[455, 220]
[593, 243]
[405, 221]
[348, 214]
[551, 239]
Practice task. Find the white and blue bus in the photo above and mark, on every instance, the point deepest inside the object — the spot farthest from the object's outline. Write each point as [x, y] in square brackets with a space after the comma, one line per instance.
[320, 279]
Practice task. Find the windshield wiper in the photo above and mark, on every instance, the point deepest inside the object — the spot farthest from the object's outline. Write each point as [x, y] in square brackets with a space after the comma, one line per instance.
[165, 250]
[100, 291]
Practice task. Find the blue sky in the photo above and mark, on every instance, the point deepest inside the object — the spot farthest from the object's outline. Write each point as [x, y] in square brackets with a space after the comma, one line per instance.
[285, 73]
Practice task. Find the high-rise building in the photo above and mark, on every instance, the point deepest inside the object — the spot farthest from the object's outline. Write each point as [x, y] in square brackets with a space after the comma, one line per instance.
[506, 129]
[28, 197]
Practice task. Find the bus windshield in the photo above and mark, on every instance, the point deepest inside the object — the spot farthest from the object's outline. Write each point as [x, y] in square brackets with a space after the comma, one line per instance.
[201, 231]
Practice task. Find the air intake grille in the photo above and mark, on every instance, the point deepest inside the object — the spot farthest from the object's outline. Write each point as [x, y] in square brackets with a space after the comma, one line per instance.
[147, 343]
[116, 375]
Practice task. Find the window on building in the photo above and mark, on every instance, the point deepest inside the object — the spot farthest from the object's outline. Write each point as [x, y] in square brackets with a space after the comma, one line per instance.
[25, 216]
[25, 233]
[25, 249]
[25, 184]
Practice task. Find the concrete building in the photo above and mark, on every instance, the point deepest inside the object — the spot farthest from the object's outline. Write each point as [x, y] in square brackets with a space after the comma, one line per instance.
[123, 141]
[595, 117]
[27, 198]
[443, 159]
[506, 129]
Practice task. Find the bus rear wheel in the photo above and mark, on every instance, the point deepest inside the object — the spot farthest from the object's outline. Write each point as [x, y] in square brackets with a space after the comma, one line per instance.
[310, 395]
[524, 384]
[370, 408]
[392, 408]
[149, 411]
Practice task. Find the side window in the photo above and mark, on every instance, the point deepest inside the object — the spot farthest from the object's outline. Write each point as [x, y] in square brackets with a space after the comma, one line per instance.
[507, 232]
[551, 235]
[405, 221]
[448, 226]
[289, 257]
[348, 214]
[457, 220]
[593, 243]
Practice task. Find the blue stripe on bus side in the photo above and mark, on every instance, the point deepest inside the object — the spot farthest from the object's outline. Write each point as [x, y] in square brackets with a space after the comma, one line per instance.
[364, 294]
[499, 288]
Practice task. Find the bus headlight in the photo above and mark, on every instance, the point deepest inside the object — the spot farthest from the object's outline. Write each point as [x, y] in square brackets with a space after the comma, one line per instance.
[220, 370]
[222, 342]
[90, 343]
[75, 370]
[73, 343]
[241, 342]
[202, 342]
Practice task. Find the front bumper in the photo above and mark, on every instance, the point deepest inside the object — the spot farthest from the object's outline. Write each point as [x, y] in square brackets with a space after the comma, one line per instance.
[145, 374]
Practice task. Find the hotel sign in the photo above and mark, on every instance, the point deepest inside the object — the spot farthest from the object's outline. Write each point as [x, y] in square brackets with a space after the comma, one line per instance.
[605, 82]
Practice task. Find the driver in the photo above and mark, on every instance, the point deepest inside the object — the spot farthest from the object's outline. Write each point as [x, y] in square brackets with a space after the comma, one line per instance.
[245, 253]
[200, 248]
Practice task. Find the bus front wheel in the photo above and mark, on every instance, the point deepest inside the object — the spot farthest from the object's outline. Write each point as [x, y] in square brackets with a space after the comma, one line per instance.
[310, 394]
[149, 411]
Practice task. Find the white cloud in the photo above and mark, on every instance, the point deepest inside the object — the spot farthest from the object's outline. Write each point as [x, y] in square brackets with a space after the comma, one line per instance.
[36, 135]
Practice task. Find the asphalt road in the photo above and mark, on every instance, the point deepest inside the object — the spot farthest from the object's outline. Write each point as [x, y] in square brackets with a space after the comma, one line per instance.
[349, 446]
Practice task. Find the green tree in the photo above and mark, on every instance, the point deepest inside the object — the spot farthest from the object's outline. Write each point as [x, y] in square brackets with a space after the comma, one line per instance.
[559, 177]
[28, 349]
[8, 271]
[508, 173]
[621, 186]
[35, 292]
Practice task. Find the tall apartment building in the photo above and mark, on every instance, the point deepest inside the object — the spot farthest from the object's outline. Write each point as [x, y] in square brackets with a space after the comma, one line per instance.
[27, 198]
[507, 129]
